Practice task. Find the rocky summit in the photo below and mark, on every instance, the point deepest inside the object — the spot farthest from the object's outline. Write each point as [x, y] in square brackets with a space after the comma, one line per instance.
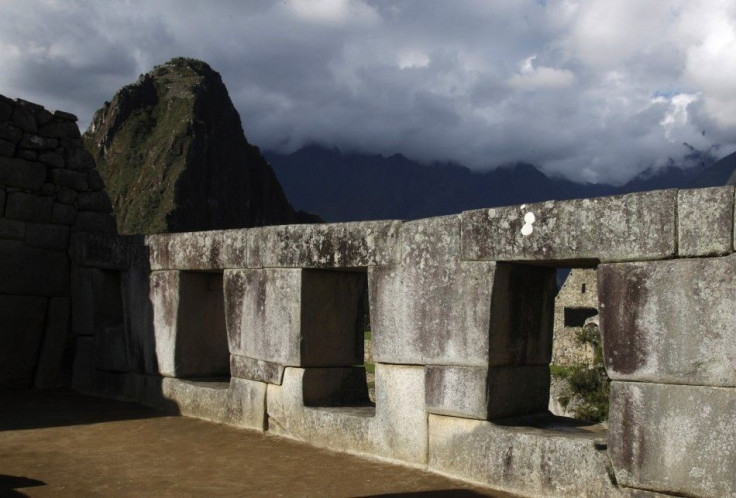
[173, 156]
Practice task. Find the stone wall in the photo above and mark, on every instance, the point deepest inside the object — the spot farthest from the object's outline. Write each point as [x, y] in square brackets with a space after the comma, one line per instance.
[462, 317]
[49, 189]
[576, 301]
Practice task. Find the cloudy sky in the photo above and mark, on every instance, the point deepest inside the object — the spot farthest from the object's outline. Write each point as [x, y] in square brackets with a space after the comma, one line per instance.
[596, 90]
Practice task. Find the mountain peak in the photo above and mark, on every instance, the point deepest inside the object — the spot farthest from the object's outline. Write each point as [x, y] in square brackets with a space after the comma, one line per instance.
[174, 157]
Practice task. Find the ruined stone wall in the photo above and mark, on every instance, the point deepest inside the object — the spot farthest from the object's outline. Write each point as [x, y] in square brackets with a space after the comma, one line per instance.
[462, 318]
[577, 300]
[48, 190]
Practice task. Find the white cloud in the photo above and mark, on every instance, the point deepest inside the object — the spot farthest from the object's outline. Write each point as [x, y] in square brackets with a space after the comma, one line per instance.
[594, 89]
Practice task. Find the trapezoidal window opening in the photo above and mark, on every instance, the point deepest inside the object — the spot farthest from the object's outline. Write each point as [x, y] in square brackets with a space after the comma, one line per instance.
[202, 351]
[333, 321]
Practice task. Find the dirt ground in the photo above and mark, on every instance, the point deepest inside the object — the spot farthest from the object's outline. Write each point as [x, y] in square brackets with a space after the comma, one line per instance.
[63, 444]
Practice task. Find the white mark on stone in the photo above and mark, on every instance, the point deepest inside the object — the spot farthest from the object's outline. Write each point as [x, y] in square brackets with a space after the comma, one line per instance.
[529, 220]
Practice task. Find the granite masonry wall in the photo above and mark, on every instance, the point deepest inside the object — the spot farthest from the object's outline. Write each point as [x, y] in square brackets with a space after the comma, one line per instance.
[260, 328]
[49, 189]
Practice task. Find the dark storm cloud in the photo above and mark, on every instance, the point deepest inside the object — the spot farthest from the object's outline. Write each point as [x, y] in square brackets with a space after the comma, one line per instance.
[596, 90]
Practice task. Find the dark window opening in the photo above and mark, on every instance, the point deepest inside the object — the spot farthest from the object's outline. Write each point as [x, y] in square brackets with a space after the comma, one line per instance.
[582, 289]
[202, 351]
[575, 317]
[335, 311]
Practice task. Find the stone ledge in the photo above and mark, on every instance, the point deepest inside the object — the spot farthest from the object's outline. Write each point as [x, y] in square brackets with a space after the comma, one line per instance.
[705, 221]
[335, 245]
[631, 227]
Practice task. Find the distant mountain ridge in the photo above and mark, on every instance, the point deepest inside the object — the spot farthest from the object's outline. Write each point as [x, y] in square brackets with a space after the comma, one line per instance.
[172, 153]
[350, 186]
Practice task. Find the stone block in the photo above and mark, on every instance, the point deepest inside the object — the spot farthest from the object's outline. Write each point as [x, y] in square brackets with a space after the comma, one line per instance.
[334, 245]
[94, 201]
[54, 159]
[21, 174]
[67, 196]
[32, 270]
[395, 430]
[2, 201]
[211, 250]
[705, 219]
[83, 373]
[523, 460]
[48, 236]
[28, 207]
[12, 229]
[73, 179]
[431, 308]
[672, 322]
[680, 440]
[633, 227]
[111, 349]
[96, 300]
[10, 133]
[243, 367]
[64, 129]
[56, 358]
[102, 250]
[7, 149]
[240, 403]
[317, 313]
[189, 324]
[22, 321]
[28, 155]
[49, 189]
[63, 214]
[91, 222]
[436, 309]
[43, 117]
[6, 110]
[34, 142]
[486, 393]
[77, 157]
[24, 119]
[135, 283]
[66, 116]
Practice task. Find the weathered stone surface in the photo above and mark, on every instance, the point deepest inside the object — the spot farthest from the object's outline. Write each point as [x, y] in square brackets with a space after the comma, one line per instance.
[5, 111]
[43, 117]
[673, 438]
[395, 430]
[66, 129]
[32, 271]
[56, 358]
[28, 155]
[24, 119]
[189, 324]
[631, 227]
[318, 314]
[63, 214]
[240, 403]
[211, 250]
[54, 159]
[520, 459]
[83, 374]
[67, 196]
[12, 229]
[72, 179]
[67, 116]
[670, 321]
[432, 308]
[78, 158]
[22, 323]
[7, 149]
[21, 174]
[102, 250]
[49, 189]
[2, 201]
[111, 349]
[705, 219]
[10, 133]
[484, 393]
[335, 245]
[243, 367]
[28, 207]
[46, 235]
[89, 221]
[94, 201]
[135, 283]
[34, 142]
[96, 300]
